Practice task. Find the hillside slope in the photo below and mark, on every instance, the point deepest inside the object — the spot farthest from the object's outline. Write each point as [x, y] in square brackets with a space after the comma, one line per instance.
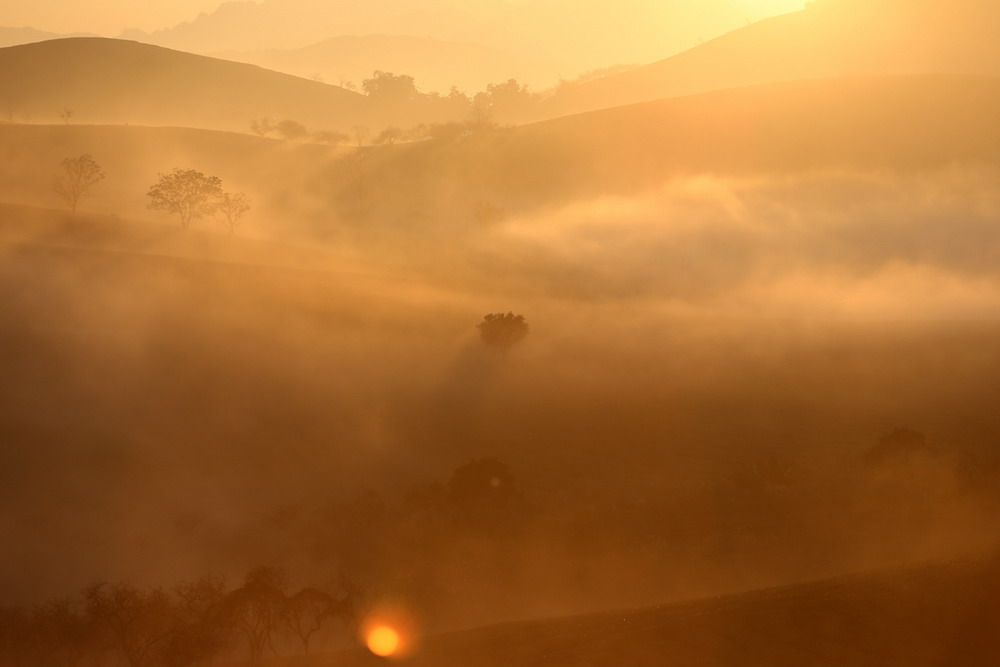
[270, 172]
[939, 616]
[115, 81]
[831, 38]
[862, 123]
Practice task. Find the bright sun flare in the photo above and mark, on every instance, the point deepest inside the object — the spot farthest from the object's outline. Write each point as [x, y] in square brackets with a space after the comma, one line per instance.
[383, 641]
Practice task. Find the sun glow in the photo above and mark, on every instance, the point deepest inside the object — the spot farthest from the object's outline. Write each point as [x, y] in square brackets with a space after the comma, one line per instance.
[383, 641]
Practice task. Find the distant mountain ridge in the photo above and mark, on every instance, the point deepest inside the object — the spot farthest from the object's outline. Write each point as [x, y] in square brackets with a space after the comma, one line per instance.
[436, 64]
[830, 38]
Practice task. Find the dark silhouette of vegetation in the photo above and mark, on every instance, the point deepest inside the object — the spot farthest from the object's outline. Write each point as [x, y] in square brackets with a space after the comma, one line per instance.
[292, 130]
[386, 88]
[186, 193]
[78, 177]
[138, 621]
[233, 206]
[503, 331]
[389, 136]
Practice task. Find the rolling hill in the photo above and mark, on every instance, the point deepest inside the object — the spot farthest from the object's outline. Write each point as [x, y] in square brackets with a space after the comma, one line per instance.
[116, 81]
[831, 38]
[268, 171]
[931, 616]
[867, 123]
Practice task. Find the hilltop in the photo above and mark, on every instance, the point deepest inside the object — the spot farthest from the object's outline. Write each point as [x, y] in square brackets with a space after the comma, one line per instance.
[117, 81]
[831, 38]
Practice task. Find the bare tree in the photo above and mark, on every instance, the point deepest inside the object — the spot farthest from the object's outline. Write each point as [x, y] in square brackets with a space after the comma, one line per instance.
[257, 609]
[78, 177]
[503, 331]
[186, 193]
[233, 206]
[305, 613]
[139, 621]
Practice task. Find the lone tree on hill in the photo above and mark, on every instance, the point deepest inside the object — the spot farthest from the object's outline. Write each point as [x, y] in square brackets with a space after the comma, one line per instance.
[186, 193]
[503, 331]
[233, 206]
[79, 176]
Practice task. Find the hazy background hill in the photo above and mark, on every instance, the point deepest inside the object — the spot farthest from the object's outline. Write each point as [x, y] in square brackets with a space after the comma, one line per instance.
[437, 65]
[116, 81]
[854, 123]
[829, 38]
[15, 36]
[559, 38]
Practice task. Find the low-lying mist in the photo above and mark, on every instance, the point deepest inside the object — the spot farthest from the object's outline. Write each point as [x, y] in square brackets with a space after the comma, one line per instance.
[697, 408]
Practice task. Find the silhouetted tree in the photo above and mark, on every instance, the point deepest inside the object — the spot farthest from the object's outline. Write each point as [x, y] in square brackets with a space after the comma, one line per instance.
[66, 115]
[139, 621]
[233, 206]
[186, 193]
[261, 127]
[292, 130]
[257, 609]
[305, 613]
[78, 177]
[506, 102]
[503, 331]
[389, 136]
[200, 630]
[386, 88]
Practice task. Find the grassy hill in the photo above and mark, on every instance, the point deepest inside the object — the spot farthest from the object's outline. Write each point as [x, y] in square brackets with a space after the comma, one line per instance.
[873, 123]
[116, 81]
[943, 615]
[831, 38]
[268, 171]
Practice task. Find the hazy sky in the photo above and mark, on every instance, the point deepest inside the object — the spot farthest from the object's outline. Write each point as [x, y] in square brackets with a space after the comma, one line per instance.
[112, 16]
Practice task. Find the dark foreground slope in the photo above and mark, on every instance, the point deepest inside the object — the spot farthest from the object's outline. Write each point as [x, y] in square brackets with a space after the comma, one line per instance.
[117, 81]
[944, 615]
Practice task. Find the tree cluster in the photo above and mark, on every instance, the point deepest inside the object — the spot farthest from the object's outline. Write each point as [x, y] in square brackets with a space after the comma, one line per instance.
[196, 622]
[190, 195]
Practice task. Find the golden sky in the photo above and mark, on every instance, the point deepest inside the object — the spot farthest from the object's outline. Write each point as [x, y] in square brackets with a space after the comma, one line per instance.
[112, 16]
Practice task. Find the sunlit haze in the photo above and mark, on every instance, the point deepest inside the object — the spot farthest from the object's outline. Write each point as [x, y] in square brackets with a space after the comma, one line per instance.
[499, 333]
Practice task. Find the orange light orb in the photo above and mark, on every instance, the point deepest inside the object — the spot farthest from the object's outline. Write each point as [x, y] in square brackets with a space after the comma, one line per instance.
[383, 641]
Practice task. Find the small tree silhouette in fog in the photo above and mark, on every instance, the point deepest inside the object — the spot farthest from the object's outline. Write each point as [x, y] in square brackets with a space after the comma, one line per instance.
[389, 136]
[67, 115]
[139, 621]
[79, 176]
[261, 127]
[503, 331]
[187, 193]
[305, 613]
[257, 609]
[233, 206]
[292, 130]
